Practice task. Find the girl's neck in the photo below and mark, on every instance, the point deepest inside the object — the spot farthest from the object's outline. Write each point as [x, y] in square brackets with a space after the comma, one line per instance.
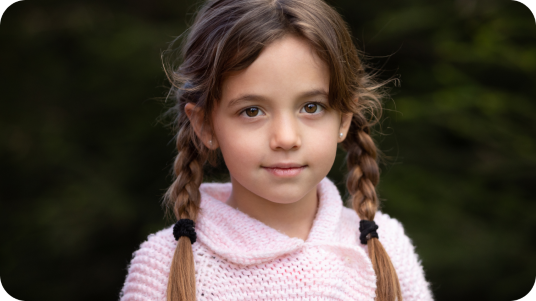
[294, 219]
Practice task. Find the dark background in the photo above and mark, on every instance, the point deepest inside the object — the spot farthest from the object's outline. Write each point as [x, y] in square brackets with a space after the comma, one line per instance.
[84, 161]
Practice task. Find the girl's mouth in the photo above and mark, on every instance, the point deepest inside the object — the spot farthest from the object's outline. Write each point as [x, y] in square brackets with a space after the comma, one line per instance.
[285, 172]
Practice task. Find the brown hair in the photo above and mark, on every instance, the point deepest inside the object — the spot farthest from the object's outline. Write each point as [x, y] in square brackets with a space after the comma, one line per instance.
[227, 36]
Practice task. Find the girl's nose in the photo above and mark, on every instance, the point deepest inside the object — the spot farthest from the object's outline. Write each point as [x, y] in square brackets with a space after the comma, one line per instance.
[285, 133]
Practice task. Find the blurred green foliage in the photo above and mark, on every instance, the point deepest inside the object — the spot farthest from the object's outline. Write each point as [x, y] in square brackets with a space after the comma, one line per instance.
[84, 161]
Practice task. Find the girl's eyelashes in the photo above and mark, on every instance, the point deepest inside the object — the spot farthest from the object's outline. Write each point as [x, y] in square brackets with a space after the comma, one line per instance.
[310, 108]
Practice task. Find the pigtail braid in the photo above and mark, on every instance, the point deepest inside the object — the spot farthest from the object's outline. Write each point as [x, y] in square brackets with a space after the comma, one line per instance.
[183, 198]
[363, 176]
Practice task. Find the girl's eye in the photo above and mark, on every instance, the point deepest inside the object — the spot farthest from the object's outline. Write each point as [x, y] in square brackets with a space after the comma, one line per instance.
[312, 108]
[252, 112]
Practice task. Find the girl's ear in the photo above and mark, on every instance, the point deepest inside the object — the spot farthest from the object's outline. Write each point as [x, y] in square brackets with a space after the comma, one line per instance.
[346, 120]
[196, 117]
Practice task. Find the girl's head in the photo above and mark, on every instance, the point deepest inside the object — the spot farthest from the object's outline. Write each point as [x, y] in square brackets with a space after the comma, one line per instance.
[276, 113]
[272, 82]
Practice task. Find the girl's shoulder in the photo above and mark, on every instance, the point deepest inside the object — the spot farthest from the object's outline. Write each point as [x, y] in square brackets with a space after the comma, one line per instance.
[160, 246]
[149, 268]
[395, 240]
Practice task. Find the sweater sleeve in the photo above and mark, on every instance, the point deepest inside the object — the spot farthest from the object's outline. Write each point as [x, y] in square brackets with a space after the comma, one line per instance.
[408, 267]
[148, 271]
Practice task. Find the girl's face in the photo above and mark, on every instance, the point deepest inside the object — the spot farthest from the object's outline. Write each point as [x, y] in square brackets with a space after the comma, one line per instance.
[273, 124]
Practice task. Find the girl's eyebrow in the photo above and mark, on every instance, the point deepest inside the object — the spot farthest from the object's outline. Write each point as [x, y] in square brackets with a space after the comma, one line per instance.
[255, 97]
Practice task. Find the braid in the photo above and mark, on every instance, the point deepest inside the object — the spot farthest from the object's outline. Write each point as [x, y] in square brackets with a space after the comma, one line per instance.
[364, 173]
[183, 197]
[363, 176]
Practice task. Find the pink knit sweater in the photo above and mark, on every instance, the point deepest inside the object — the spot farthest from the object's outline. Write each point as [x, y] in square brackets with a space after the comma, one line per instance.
[240, 258]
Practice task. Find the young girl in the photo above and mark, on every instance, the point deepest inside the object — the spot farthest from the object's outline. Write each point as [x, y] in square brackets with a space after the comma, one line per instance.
[275, 85]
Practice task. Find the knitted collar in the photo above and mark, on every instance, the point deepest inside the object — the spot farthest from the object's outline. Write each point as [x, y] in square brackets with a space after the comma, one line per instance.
[242, 239]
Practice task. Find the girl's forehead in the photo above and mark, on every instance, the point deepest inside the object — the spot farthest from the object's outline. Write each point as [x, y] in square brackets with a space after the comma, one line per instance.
[288, 67]
[290, 47]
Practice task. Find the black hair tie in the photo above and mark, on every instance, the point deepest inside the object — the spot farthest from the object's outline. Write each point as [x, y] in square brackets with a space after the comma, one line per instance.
[184, 227]
[368, 231]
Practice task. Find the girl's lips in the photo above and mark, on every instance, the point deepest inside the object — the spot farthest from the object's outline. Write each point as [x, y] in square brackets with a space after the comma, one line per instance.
[285, 172]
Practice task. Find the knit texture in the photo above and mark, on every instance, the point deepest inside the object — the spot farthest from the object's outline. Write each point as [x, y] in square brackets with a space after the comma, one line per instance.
[240, 258]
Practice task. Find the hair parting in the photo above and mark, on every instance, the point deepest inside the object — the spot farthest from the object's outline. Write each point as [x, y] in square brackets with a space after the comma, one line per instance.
[226, 37]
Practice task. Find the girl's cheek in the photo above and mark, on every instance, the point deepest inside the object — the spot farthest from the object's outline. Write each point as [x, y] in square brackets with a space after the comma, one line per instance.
[239, 145]
[323, 148]
[322, 142]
